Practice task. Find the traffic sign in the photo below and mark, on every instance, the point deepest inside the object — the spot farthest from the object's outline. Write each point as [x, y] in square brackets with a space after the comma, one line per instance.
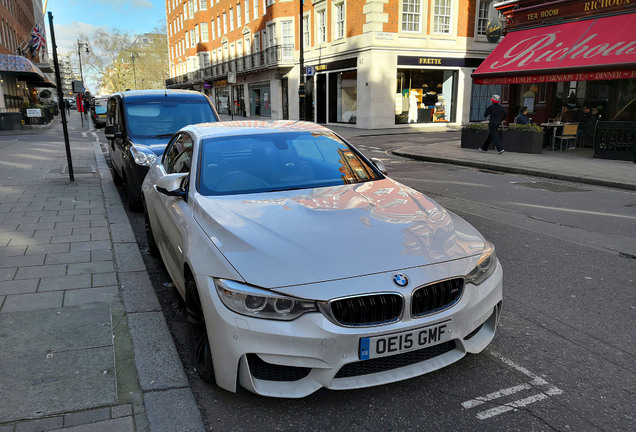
[309, 71]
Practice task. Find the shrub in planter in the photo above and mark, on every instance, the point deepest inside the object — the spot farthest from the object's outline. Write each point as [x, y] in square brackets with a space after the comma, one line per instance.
[474, 135]
[523, 138]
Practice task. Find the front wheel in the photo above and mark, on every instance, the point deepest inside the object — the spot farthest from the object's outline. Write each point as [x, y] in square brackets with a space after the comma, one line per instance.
[153, 250]
[197, 332]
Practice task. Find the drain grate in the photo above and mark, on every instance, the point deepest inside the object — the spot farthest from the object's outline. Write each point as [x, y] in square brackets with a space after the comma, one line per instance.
[552, 187]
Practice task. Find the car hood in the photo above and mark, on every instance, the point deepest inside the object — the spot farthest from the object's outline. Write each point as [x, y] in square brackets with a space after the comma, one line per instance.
[279, 239]
[157, 145]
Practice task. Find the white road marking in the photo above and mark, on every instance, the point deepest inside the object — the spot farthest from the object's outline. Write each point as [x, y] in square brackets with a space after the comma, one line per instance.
[483, 415]
[574, 211]
[495, 395]
[535, 381]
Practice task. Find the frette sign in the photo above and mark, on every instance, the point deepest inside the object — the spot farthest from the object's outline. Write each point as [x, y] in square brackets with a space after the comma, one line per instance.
[575, 47]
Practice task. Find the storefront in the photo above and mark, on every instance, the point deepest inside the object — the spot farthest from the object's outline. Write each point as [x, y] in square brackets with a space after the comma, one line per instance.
[427, 88]
[333, 92]
[570, 57]
[260, 99]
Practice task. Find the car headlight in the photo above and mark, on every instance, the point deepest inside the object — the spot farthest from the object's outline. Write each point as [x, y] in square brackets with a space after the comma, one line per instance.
[143, 155]
[258, 303]
[485, 266]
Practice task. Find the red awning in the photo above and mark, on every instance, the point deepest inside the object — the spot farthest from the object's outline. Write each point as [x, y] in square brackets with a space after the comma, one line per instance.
[595, 49]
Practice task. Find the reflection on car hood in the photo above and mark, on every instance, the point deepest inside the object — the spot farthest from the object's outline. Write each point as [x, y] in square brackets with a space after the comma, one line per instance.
[304, 236]
[157, 145]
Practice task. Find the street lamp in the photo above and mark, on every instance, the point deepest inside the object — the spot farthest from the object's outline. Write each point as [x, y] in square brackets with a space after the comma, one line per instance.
[79, 54]
[132, 56]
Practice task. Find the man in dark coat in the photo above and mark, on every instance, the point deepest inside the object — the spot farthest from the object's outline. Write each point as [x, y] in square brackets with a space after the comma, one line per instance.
[496, 114]
[522, 117]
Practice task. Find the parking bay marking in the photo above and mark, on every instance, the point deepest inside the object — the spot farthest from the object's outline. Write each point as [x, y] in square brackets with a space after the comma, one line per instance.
[535, 380]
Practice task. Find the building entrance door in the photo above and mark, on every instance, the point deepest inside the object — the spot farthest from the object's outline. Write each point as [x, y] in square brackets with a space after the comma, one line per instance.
[321, 98]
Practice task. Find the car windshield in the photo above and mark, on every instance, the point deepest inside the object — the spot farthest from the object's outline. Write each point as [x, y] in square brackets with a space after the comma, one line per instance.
[278, 161]
[157, 119]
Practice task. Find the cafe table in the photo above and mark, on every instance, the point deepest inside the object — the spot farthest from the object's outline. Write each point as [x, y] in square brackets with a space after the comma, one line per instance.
[551, 129]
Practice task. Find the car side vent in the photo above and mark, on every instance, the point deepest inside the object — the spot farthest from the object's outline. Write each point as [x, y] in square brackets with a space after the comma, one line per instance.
[367, 310]
[436, 297]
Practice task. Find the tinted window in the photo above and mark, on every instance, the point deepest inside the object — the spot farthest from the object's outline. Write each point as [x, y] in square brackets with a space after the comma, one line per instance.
[156, 119]
[278, 161]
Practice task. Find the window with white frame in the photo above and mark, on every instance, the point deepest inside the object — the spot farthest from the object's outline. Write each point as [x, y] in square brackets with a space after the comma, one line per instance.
[485, 11]
[321, 26]
[224, 23]
[192, 38]
[287, 39]
[218, 26]
[204, 32]
[411, 15]
[187, 38]
[442, 16]
[269, 2]
[255, 9]
[212, 35]
[306, 30]
[271, 34]
[197, 37]
[203, 5]
[339, 11]
[185, 10]
[231, 19]
[191, 8]
[247, 11]
[238, 15]
[204, 60]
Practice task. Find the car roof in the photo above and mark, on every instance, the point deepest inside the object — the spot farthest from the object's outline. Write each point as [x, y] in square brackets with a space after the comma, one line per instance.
[247, 127]
[140, 96]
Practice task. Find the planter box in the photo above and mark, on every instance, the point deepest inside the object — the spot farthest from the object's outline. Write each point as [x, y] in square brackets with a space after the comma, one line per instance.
[523, 141]
[512, 141]
[473, 138]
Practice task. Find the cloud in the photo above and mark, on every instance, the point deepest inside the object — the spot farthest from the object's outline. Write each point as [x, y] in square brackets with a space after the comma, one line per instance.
[66, 35]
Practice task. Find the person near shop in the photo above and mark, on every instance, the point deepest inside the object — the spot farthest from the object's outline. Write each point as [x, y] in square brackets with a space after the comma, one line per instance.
[565, 116]
[496, 114]
[587, 122]
[522, 117]
[412, 107]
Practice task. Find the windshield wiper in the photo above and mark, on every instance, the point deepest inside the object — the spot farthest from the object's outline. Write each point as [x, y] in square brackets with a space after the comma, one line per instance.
[166, 135]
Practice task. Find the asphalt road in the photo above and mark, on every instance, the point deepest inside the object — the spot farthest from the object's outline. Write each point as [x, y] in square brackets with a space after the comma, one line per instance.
[563, 357]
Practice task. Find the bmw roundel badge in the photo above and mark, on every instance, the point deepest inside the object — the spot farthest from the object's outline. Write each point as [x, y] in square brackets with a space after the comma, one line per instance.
[400, 280]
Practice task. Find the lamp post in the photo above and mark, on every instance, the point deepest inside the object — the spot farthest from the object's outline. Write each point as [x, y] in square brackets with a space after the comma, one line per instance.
[132, 56]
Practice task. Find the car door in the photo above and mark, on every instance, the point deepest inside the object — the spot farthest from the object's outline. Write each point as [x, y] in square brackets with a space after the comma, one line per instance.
[172, 213]
[115, 145]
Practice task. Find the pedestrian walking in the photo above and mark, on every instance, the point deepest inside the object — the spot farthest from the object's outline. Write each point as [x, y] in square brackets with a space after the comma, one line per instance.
[496, 114]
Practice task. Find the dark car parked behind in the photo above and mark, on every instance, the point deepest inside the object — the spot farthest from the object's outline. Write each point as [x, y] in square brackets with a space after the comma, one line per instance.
[139, 126]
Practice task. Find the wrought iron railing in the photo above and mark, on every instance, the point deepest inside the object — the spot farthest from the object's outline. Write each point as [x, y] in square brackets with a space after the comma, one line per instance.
[270, 57]
[615, 140]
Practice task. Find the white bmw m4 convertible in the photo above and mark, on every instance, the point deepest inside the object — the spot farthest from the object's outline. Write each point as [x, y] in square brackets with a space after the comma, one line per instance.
[302, 265]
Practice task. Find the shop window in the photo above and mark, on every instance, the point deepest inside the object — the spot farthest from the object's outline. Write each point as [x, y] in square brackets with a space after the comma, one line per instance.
[343, 99]
[425, 96]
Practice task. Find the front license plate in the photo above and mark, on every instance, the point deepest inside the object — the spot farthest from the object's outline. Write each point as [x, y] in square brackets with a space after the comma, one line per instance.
[386, 345]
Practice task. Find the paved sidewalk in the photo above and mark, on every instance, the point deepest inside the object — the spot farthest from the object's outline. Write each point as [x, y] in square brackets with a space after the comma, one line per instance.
[83, 342]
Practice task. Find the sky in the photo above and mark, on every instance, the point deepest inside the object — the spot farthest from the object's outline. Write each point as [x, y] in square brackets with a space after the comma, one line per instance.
[74, 17]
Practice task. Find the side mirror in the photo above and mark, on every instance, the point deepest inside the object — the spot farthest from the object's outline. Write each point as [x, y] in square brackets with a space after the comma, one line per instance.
[171, 185]
[379, 165]
[110, 132]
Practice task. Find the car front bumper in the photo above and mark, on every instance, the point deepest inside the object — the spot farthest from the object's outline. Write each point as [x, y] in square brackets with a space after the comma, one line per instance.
[293, 359]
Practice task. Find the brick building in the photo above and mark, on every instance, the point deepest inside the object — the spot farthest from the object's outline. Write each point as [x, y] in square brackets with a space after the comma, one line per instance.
[372, 63]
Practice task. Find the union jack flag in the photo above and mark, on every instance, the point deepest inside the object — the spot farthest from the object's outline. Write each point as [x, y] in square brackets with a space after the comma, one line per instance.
[37, 40]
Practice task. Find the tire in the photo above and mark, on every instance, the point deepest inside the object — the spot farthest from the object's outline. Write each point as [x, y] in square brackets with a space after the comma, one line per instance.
[197, 333]
[116, 177]
[153, 250]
